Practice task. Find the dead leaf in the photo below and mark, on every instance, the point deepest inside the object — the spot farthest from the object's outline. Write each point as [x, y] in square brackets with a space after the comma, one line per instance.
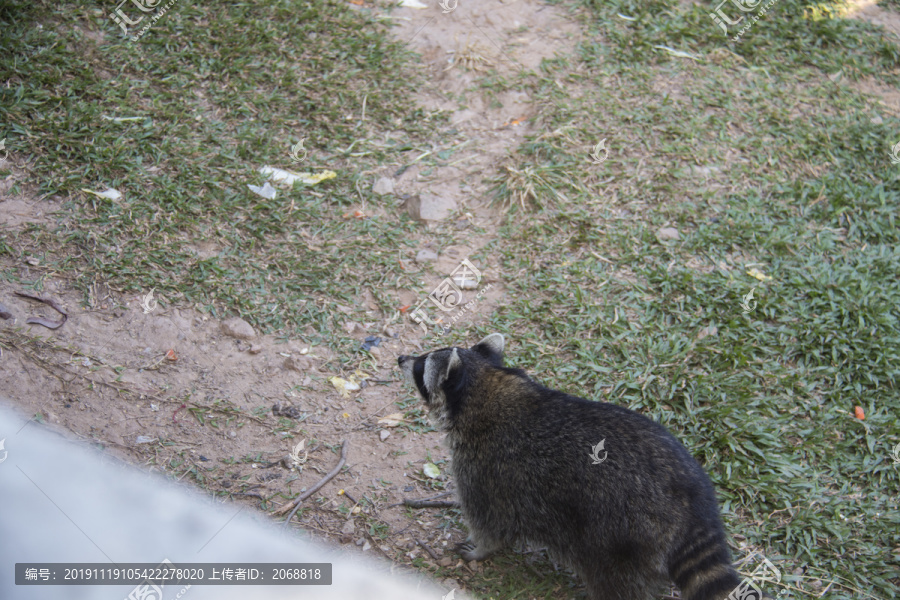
[391, 420]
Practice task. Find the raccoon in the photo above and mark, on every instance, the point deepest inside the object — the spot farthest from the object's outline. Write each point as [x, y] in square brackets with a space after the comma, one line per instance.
[628, 515]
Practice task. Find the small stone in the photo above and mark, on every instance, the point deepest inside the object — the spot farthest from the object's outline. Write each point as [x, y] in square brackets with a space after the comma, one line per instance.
[367, 546]
[385, 434]
[383, 186]
[668, 233]
[426, 255]
[349, 527]
[232, 434]
[298, 363]
[144, 439]
[255, 349]
[238, 328]
[446, 561]
[428, 207]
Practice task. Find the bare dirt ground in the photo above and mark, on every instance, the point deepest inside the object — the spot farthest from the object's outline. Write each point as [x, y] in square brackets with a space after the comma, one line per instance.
[168, 389]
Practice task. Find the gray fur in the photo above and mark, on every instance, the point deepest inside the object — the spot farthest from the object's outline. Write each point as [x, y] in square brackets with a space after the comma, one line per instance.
[645, 515]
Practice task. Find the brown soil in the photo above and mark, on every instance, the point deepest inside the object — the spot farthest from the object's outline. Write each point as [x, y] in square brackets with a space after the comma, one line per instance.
[167, 389]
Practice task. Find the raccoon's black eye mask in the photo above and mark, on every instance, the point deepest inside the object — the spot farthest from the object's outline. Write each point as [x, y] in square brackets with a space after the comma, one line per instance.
[419, 376]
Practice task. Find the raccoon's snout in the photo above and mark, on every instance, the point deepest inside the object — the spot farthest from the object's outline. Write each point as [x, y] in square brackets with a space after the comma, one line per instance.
[402, 359]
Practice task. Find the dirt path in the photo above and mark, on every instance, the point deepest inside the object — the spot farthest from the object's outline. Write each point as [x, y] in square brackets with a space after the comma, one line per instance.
[172, 390]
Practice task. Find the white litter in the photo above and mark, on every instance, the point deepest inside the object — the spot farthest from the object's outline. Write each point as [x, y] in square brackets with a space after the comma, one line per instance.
[266, 191]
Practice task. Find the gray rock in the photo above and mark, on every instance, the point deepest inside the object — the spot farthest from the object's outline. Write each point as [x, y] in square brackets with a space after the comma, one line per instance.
[428, 207]
[238, 328]
[668, 233]
[384, 434]
[383, 186]
[298, 363]
[426, 255]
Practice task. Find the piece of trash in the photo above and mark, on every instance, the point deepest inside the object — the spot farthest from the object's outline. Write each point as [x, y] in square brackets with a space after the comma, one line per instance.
[431, 470]
[154, 407]
[144, 439]
[391, 420]
[343, 386]
[412, 4]
[123, 119]
[288, 178]
[621, 16]
[677, 53]
[266, 191]
[170, 355]
[370, 342]
[356, 213]
[859, 413]
[109, 193]
[48, 323]
[754, 272]
[403, 309]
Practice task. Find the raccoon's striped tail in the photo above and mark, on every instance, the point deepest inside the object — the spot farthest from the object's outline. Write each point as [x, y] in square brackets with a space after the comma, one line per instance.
[701, 567]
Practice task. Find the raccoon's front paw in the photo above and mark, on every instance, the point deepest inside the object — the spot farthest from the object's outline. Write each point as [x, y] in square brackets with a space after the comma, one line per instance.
[469, 551]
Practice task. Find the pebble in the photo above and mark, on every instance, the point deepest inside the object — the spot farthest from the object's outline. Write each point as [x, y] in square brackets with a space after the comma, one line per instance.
[238, 328]
[668, 233]
[383, 186]
[426, 255]
[385, 434]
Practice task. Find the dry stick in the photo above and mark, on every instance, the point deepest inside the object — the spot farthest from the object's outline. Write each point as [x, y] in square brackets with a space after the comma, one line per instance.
[407, 502]
[427, 549]
[296, 503]
[425, 504]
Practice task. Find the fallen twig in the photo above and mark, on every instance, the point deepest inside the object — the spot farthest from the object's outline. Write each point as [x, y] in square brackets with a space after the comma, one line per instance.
[427, 549]
[296, 503]
[41, 320]
[425, 504]
[415, 503]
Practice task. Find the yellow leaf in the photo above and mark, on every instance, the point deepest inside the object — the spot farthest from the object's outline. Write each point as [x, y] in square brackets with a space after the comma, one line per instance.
[754, 272]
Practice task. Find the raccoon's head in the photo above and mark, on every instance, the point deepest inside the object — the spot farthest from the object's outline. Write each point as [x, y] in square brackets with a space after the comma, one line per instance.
[443, 376]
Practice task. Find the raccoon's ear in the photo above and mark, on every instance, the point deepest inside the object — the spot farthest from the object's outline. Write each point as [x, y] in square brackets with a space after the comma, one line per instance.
[491, 348]
[452, 363]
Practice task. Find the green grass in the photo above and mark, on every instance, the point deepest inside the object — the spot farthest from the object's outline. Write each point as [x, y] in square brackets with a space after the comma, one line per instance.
[752, 152]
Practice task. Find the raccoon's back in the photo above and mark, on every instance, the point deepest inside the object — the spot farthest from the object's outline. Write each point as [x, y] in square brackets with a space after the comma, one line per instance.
[535, 457]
